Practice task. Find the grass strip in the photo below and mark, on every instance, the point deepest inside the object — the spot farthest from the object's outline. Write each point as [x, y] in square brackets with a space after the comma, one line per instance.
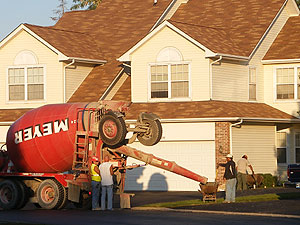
[251, 198]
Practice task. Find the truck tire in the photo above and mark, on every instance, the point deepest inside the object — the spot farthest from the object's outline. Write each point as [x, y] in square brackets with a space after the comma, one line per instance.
[24, 195]
[10, 194]
[50, 194]
[112, 130]
[153, 134]
[65, 199]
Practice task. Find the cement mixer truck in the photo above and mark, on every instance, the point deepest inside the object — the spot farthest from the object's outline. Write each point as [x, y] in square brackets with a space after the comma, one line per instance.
[48, 152]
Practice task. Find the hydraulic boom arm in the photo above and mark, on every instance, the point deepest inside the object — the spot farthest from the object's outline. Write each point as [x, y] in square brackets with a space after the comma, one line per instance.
[160, 163]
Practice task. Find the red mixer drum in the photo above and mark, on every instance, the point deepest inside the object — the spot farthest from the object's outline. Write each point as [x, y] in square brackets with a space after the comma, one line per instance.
[42, 140]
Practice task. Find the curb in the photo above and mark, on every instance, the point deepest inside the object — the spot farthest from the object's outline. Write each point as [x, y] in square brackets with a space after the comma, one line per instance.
[214, 212]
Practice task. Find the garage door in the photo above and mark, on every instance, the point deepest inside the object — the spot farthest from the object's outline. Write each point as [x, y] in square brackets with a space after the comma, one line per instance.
[197, 156]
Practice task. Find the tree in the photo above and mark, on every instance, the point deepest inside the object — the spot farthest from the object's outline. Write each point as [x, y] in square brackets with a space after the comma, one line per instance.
[61, 9]
[90, 4]
[298, 3]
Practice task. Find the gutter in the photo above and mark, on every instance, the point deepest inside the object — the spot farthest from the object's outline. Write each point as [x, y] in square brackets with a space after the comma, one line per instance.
[227, 119]
[84, 60]
[64, 79]
[230, 132]
[210, 76]
[271, 61]
[6, 123]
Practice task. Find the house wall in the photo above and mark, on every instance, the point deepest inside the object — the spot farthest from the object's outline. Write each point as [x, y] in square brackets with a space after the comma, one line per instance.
[74, 77]
[148, 52]
[54, 73]
[289, 106]
[258, 142]
[3, 132]
[230, 81]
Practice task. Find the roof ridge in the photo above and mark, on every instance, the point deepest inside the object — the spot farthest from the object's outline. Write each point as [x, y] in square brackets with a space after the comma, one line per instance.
[53, 28]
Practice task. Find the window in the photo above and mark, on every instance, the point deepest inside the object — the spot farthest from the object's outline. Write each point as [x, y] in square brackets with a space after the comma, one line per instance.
[297, 147]
[252, 84]
[170, 81]
[281, 147]
[169, 77]
[288, 83]
[26, 83]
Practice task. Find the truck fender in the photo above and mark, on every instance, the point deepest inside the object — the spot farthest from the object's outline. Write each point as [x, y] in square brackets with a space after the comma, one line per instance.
[147, 116]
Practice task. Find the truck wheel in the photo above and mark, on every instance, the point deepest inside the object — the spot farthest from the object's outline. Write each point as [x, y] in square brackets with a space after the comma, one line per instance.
[50, 194]
[112, 129]
[65, 199]
[9, 194]
[24, 195]
[153, 134]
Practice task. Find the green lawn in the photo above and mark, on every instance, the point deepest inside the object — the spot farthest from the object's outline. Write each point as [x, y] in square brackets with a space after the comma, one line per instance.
[251, 198]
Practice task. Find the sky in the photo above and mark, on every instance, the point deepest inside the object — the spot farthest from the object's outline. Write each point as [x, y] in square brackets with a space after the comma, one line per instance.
[37, 12]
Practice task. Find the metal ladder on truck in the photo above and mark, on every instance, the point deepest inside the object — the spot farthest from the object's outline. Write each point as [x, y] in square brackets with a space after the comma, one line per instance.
[82, 141]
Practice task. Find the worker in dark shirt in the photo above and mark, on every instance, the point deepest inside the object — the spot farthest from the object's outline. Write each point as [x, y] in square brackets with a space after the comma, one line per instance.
[230, 176]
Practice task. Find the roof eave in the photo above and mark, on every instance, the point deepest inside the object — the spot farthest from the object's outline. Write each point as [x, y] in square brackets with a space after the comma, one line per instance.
[83, 60]
[231, 119]
[279, 61]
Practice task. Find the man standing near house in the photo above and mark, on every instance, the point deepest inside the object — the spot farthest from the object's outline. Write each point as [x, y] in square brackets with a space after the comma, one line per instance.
[96, 179]
[230, 176]
[242, 166]
[106, 170]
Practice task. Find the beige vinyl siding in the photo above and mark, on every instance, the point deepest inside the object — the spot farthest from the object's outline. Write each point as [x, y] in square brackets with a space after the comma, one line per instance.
[289, 106]
[3, 132]
[262, 83]
[45, 57]
[230, 82]
[74, 77]
[258, 142]
[147, 53]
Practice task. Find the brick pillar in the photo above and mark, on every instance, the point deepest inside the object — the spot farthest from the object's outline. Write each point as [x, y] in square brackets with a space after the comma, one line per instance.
[222, 142]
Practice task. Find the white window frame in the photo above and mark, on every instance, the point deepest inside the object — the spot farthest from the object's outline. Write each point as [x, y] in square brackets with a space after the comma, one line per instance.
[169, 81]
[295, 84]
[286, 149]
[252, 67]
[295, 146]
[25, 67]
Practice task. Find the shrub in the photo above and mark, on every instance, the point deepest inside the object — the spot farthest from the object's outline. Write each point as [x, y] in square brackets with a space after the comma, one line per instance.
[269, 180]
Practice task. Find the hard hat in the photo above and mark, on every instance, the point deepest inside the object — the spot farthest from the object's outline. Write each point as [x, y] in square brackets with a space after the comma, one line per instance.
[95, 159]
[229, 156]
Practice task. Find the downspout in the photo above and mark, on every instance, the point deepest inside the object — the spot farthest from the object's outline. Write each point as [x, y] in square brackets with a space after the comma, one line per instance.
[230, 132]
[64, 78]
[210, 76]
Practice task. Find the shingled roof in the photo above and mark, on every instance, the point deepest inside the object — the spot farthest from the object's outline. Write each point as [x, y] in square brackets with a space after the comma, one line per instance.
[185, 110]
[229, 27]
[286, 45]
[70, 43]
[209, 109]
[116, 25]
